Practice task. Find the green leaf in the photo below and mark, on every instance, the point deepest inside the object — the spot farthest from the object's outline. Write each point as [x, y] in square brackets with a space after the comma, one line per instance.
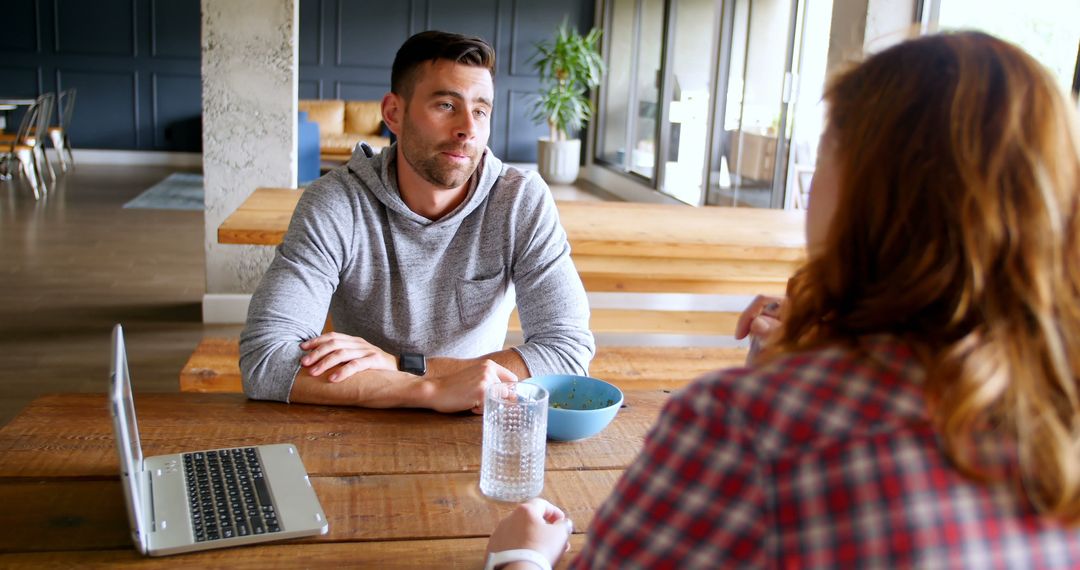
[569, 65]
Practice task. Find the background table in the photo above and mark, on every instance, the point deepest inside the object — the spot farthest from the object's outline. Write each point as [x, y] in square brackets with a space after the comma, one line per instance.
[622, 246]
[399, 487]
[4, 108]
[10, 104]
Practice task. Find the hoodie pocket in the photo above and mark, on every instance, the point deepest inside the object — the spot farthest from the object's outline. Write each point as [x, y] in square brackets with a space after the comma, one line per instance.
[478, 298]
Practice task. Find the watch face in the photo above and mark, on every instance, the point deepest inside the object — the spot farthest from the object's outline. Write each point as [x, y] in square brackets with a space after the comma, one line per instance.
[413, 363]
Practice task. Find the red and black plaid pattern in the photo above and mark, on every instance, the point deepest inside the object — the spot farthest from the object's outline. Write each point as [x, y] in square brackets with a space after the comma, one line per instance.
[817, 460]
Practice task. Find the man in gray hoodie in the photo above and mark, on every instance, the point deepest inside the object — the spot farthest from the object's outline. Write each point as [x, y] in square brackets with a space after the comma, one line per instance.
[417, 254]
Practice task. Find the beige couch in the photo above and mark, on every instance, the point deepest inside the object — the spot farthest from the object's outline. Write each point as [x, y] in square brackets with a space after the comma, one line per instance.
[343, 124]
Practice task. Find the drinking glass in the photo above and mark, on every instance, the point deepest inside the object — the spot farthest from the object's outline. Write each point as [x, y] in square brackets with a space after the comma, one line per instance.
[515, 439]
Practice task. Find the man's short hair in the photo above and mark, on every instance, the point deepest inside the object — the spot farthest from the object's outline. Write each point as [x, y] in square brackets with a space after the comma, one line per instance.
[434, 45]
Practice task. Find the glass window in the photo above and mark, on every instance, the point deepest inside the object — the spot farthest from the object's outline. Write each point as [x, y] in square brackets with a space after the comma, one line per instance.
[650, 47]
[697, 102]
[1047, 29]
[615, 108]
[808, 120]
[690, 99]
[631, 92]
[755, 111]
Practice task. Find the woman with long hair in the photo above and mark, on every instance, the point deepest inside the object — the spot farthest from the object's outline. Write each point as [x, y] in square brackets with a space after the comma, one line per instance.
[918, 404]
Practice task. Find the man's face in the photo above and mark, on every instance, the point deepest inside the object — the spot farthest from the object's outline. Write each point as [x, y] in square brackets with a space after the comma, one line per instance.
[446, 122]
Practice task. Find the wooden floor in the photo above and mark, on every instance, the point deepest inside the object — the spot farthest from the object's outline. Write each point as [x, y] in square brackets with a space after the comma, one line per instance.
[76, 263]
[73, 265]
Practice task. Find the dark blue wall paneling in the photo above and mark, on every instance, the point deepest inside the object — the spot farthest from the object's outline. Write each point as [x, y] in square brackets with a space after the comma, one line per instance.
[21, 29]
[136, 64]
[106, 114]
[176, 29]
[347, 47]
[19, 82]
[94, 28]
[174, 122]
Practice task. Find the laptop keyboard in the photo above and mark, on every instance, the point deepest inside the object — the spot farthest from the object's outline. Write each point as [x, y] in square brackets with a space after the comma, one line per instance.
[228, 495]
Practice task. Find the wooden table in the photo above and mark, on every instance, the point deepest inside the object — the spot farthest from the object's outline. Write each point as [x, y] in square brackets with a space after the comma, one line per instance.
[399, 487]
[9, 104]
[622, 246]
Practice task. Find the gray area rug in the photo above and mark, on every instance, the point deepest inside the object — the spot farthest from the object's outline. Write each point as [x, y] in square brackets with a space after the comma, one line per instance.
[178, 191]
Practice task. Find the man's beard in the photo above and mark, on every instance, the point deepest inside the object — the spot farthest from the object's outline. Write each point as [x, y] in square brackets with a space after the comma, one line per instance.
[427, 161]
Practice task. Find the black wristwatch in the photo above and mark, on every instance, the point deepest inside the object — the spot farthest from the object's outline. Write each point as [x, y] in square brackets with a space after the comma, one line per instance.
[413, 363]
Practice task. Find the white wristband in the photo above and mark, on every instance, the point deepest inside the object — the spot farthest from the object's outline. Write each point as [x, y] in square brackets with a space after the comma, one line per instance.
[517, 555]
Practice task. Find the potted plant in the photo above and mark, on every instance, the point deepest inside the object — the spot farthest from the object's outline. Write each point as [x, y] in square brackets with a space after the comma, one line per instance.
[569, 66]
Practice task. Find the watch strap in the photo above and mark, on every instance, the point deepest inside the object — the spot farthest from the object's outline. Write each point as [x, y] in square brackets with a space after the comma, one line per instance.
[496, 559]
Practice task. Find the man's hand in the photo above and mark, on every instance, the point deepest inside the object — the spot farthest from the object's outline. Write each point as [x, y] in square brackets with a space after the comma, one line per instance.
[351, 354]
[537, 525]
[464, 389]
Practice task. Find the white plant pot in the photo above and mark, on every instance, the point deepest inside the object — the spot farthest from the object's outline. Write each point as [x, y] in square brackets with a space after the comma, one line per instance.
[558, 161]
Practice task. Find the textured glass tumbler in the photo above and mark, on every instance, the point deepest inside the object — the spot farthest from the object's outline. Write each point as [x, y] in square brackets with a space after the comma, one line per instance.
[515, 441]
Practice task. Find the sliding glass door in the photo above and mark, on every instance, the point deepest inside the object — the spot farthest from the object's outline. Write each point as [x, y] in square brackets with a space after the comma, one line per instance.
[696, 101]
[628, 134]
[752, 139]
[688, 100]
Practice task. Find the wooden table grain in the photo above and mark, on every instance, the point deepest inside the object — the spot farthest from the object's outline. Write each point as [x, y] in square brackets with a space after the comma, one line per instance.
[399, 487]
[622, 246]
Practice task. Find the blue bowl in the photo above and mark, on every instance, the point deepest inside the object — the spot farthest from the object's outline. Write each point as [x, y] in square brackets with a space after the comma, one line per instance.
[578, 406]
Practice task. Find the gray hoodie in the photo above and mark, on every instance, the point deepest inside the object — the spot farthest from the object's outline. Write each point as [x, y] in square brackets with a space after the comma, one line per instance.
[408, 284]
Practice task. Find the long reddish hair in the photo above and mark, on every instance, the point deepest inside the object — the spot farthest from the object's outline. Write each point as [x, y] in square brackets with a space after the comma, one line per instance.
[956, 231]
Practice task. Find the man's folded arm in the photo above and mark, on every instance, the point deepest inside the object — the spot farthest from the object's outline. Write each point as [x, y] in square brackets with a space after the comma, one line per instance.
[449, 385]
[551, 300]
[290, 304]
[370, 389]
[507, 358]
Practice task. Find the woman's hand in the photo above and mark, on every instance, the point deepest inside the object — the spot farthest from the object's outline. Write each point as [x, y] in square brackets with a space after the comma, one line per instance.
[760, 320]
[537, 525]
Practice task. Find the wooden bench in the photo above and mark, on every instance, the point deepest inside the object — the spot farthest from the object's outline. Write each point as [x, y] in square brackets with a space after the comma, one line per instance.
[215, 367]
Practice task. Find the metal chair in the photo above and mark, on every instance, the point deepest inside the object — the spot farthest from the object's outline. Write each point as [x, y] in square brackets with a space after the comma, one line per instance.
[15, 148]
[35, 139]
[40, 135]
[65, 104]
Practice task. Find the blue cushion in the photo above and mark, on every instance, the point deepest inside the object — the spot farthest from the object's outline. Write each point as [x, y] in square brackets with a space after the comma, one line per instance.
[307, 138]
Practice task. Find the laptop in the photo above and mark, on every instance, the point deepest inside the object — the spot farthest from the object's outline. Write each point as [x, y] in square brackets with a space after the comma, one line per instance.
[207, 499]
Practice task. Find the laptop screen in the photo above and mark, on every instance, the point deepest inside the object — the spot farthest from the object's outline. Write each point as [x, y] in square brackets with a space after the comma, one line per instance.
[122, 406]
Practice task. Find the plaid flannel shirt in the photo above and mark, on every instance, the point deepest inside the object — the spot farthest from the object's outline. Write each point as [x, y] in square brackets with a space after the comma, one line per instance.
[824, 459]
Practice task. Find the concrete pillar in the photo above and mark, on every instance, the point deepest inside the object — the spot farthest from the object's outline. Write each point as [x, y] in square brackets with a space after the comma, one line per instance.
[889, 22]
[862, 27]
[250, 69]
[846, 32]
